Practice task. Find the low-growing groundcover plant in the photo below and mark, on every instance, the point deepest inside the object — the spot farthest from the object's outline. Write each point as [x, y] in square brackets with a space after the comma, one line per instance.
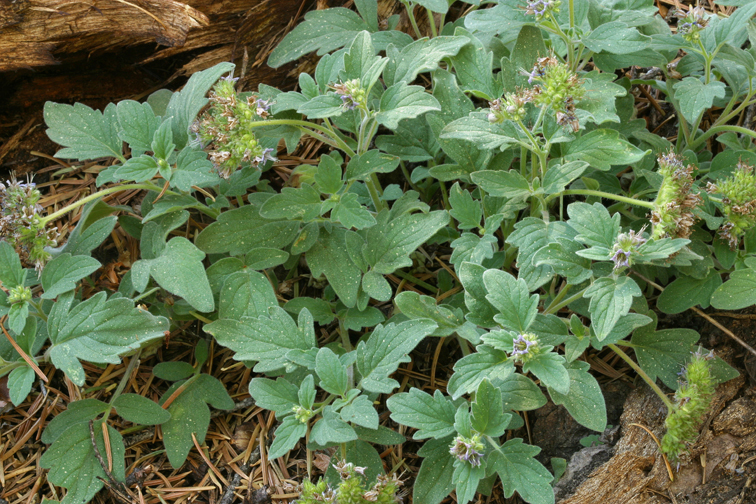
[508, 138]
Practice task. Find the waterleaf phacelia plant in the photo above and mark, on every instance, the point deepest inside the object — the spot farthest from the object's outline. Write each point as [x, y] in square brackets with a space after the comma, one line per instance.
[498, 166]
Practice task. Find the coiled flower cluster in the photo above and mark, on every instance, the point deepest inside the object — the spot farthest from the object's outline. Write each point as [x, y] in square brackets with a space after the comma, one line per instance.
[540, 8]
[556, 87]
[692, 401]
[738, 201]
[385, 490]
[351, 93]
[225, 129]
[525, 347]
[468, 449]
[692, 24]
[672, 216]
[21, 223]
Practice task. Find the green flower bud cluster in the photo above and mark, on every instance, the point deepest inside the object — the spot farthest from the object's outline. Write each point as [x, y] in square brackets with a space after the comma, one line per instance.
[225, 129]
[692, 24]
[672, 215]
[351, 93]
[512, 107]
[19, 294]
[302, 414]
[738, 201]
[386, 489]
[692, 401]
[21, 224]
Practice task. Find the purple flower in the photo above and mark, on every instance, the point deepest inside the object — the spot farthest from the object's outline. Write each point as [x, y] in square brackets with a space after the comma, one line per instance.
[468, 449]
[521, 346]
[264, 157]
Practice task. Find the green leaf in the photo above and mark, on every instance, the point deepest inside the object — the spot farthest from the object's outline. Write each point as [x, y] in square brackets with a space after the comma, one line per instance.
[600, 99]
[465, 209]
[99, 330]
[328, 176]
[594, 225]
[560, 176]
[585, 402]
[529, 236]
[140, 410]
[265, 257]
[193, 169]
[306, 392]
[322, 107]
[402, 101]
[322, 30]
[351, 214]
[486, 411]
[603, 148]
[246, 293]
[737, 292]
[477, 130]
[288, 435]
[686, 292]
[138, 169]
[62, 273]
[361, 412]
[563, 258]
[279, 396]
[356, 320]
[520, 472]
[191, 415]
[466, 478]
[162, 142]
[265, 339]
[390, 242]
[179, 270]
[301, 203]
[242, 229]
[415, 306]
[360, 167]
[360, 61]
[376, 286]
[440, 6]
[616, 38]
[432, 416]
[610, 299]
[321, 310]
[502, 18]
[332, 429]
[694, 96]
[663, 353]
[138, 123]
[382, 435]
[19, 384]
[330, 256]
[78, 412]
[473, 66]
[520, 393]
[85, 133]
[549, 368]
[386, 348]
[74, 466]
[504, 184]
[332, 372]
[186, 104]
[93, 228]
[12, 274]
[173, 371]
[517, 308]
[470, 370]
[435, 478]
[420, 56]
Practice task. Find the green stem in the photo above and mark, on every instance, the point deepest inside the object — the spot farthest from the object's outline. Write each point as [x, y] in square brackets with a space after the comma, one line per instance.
[411, 16]
[201, 318]
[142, 296]
[553, 308]
[99, 194]
[414, 280]
[720, 129]
[602, 194]
[434, 32]
[408, 176]
[558, 298]
[305, 125]
[643, 375]
[444, 194]
[124, 380]
[373, 185]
